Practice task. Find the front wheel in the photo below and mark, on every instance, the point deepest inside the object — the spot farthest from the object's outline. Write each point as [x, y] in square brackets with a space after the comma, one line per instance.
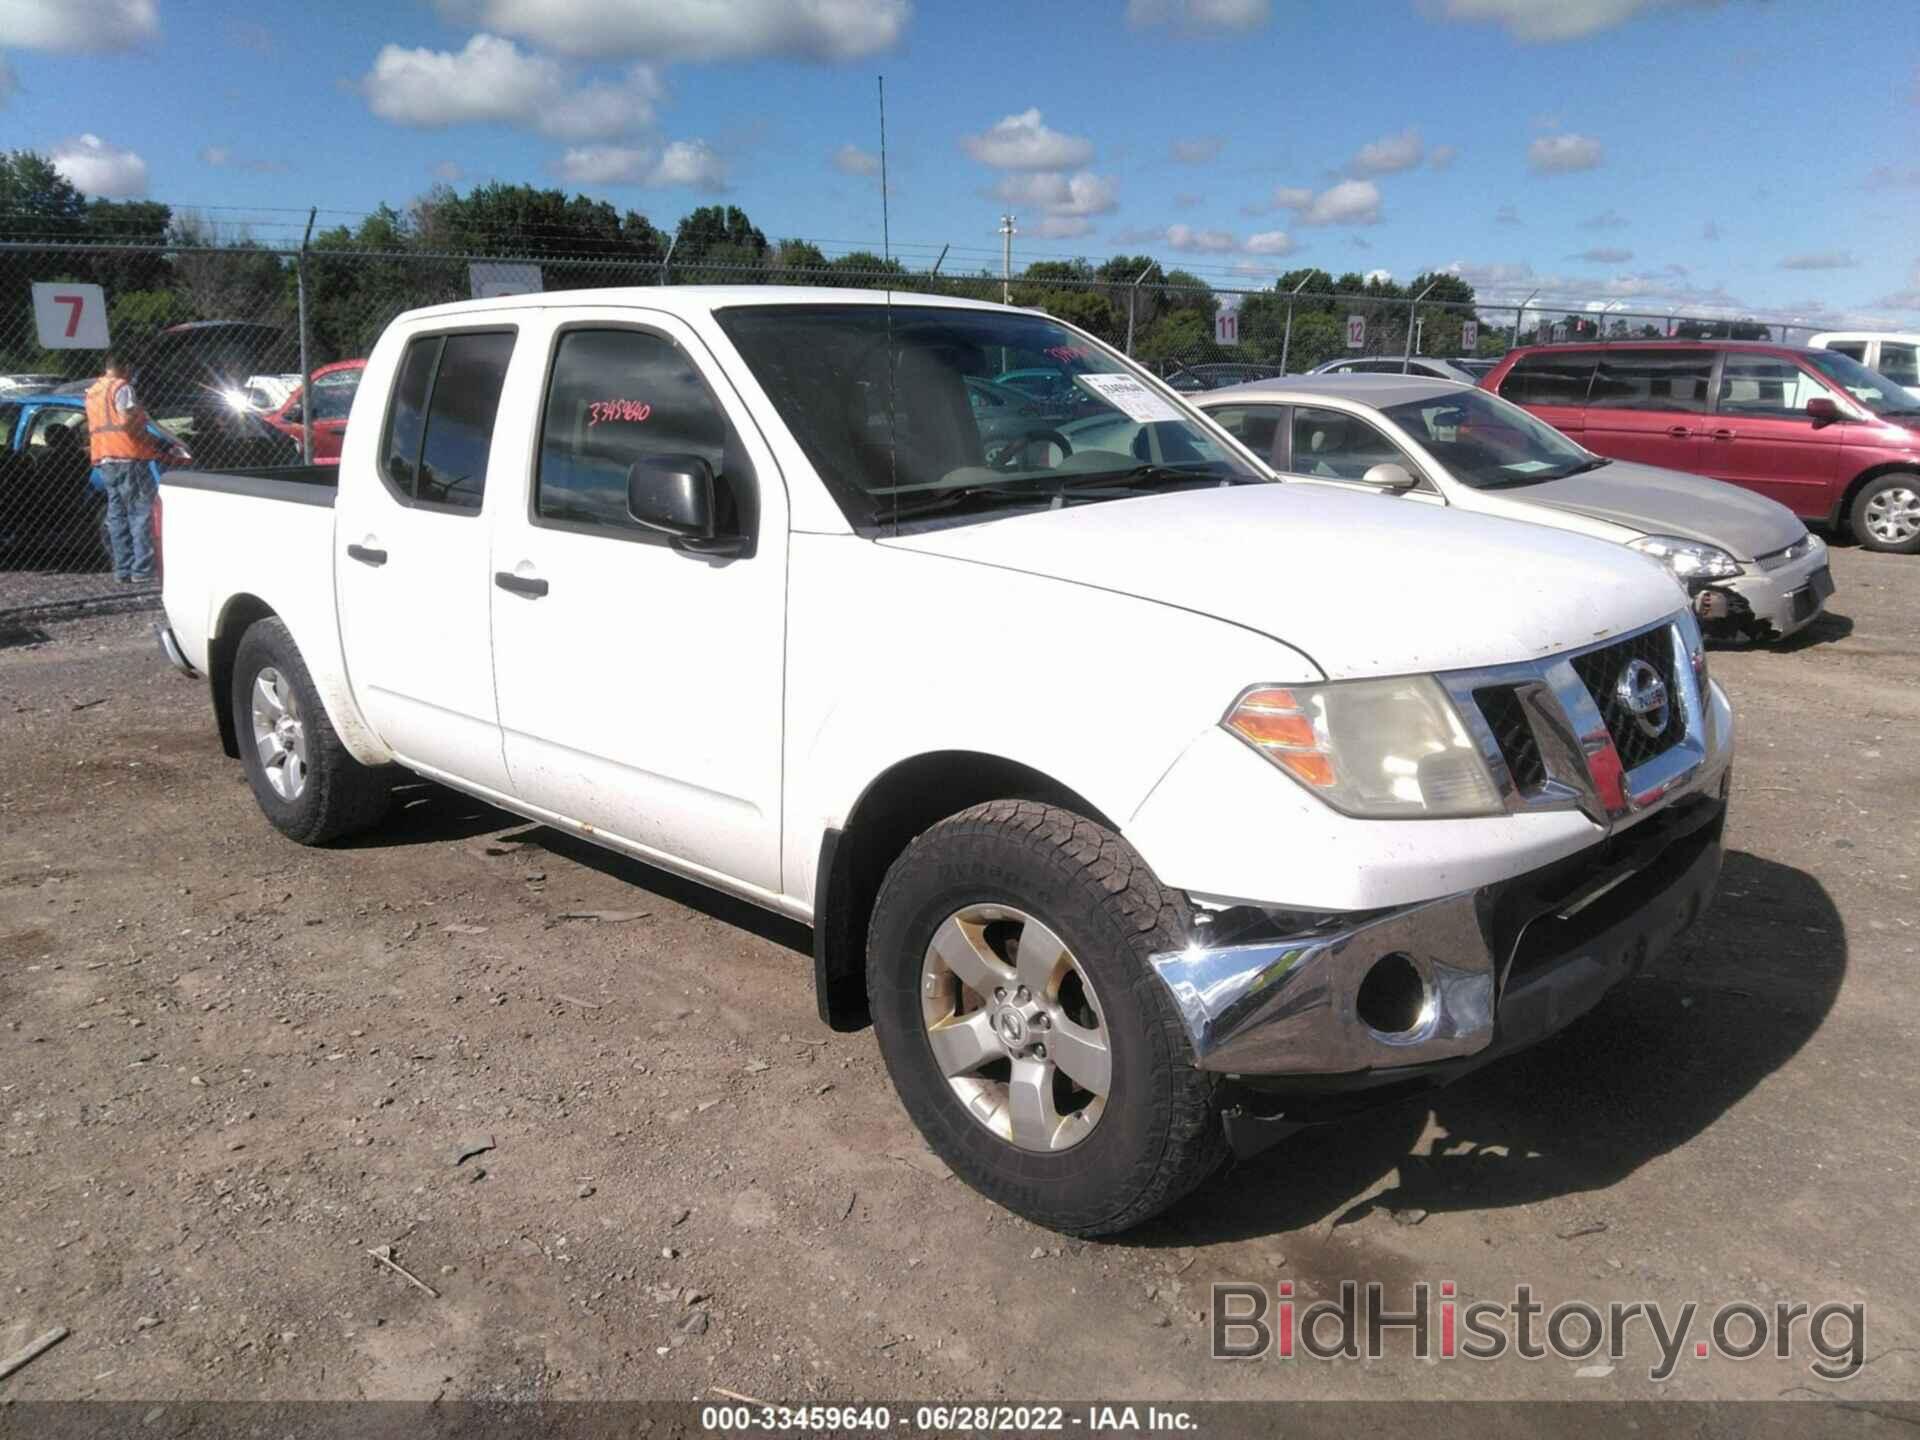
[1029, 1038]
[1886, 514]
[307, 784]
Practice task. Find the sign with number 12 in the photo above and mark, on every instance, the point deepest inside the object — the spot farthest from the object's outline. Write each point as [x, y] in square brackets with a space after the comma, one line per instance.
[70, 317]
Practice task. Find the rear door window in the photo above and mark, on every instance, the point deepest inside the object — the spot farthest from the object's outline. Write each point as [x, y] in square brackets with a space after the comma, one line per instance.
[1549, 379]
[440, 424]
[1652, 380]
[1255, 426]
[1852, 349]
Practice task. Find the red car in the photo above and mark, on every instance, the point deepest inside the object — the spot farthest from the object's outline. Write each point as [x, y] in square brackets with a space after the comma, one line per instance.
[1833, 441]
[333, 390]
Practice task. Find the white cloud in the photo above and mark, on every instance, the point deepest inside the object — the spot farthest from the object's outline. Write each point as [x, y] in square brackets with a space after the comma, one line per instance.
[1351, 202]
[1441, 157]
[1379, 277]
[1205, 242]
[492, 80]
[78, 26]
[1023, 142]
[1270, 242]
[1558, 154]
[852, 160]
[1605, 255]
[663, 31]
[94, 167]
[1197, 151]
[692, 163]
[1820, 260]
[1080, 194]
[1389, 155]
[1549, 20]
[1200, 14]
[1062, 227]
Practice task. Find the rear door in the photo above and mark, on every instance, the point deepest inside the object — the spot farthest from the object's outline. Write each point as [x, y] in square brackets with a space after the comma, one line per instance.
[1759, 435]
[413, 553]
[1650, 406]
[1553, 384]
[641, 683]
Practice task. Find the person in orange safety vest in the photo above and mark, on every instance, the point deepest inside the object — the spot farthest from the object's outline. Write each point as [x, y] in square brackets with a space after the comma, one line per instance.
[123, 450]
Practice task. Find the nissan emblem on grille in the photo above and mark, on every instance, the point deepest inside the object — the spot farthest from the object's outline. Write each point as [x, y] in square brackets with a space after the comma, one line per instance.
[1644, 694]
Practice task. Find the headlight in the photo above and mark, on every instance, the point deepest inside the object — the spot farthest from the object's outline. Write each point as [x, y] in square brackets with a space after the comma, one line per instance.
[1372, 748]
[1688, 559]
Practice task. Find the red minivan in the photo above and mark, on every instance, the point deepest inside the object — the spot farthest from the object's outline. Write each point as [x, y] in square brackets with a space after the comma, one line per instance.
[1830, 439]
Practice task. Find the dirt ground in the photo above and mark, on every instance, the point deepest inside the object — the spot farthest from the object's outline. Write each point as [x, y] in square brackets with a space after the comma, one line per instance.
[230, 1068]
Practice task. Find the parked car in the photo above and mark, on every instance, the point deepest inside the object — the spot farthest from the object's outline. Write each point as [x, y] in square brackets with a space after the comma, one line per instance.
[267, 392]
[1473, 365]
[49, 511]
[334, 387]
[1831, 440]
[187, 378]
[1895, 354]
[1425, 365]
[1190, 379]
[23, 383]
[1753, 570]
[1144, 809]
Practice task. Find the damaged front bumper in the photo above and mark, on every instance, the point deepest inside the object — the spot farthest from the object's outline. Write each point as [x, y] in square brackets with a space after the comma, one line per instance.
[1775, 595]
[1362, 1009]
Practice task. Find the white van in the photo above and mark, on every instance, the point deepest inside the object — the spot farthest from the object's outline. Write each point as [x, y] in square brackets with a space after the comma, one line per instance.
[1895, 354]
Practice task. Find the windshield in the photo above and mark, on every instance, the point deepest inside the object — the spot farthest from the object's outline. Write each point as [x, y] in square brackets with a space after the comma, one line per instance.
[1486, 442]
[1872, 389]
[983, 410]
[333, 394]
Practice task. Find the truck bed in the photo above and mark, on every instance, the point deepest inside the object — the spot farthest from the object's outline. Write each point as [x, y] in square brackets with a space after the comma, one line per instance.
[302, 484]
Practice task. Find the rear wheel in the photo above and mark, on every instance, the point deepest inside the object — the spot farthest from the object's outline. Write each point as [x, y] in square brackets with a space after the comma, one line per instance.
[1027, 1034]
[1886, 514]
[307, 784]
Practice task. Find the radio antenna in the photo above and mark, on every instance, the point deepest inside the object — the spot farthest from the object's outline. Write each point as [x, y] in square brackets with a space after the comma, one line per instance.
[886, 259]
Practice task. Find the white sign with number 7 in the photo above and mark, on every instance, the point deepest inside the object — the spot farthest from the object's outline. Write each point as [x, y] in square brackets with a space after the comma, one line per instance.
[70, 317]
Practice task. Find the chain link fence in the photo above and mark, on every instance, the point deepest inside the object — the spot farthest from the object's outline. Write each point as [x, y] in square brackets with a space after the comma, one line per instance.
[218, 338]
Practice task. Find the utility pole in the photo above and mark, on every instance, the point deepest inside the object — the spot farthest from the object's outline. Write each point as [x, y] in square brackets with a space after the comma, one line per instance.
[1006, 259]
[1286, 341]
[1133, 297]
[1406, 358]
[306, 358]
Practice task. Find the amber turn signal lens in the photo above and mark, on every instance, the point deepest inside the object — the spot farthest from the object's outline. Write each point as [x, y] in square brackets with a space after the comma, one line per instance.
[1311, 767]
[1274, 727]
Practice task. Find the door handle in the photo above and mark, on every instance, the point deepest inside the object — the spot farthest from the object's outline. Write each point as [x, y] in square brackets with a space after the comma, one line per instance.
[520, 584]
[1725, 434]
[1679, 432]
[366, 555]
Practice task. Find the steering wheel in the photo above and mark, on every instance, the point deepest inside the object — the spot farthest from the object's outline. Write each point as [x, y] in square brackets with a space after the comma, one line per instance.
[1004, 460]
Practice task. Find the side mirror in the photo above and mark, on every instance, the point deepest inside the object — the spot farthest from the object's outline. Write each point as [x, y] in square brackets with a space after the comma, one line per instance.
[1389, 477]
[1822, 410]
[675, 495]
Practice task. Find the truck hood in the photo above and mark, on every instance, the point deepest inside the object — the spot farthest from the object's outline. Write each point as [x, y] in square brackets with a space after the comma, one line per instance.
[1363, 584]
[1666, 502]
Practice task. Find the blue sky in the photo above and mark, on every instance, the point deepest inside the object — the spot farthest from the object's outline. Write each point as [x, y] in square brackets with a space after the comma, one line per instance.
[1740, 154]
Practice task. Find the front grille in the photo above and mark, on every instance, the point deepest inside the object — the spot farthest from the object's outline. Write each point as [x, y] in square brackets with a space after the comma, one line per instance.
[1506, 717]
[1600, 670]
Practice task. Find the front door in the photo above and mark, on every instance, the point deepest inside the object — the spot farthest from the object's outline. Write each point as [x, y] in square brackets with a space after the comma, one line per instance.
[412, 553]
[1759, 435]
[641, 682]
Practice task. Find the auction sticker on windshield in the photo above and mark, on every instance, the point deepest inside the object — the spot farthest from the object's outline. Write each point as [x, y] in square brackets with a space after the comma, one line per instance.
[1131, 398]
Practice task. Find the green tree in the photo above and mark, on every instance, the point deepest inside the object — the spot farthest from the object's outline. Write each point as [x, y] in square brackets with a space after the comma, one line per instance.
[718, 243]
[864, 270]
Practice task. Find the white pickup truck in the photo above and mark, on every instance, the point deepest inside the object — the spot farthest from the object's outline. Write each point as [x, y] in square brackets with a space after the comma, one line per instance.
[1143, 806]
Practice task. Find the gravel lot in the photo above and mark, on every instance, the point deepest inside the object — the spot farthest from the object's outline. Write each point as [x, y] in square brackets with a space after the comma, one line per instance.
[232, 1068]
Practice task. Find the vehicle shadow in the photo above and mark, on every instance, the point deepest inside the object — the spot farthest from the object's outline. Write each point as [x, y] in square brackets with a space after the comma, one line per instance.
[429, 814]
[1823, 630]
[1658, 1062]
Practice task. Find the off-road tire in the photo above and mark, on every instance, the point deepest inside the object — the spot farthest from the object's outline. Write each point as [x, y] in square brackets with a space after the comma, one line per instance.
[341, 797]
[1160, 1135]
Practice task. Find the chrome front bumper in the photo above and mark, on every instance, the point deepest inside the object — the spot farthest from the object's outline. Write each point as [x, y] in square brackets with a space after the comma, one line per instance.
[1499, 967]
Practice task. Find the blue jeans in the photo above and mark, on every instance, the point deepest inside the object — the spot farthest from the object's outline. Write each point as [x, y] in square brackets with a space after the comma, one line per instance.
[130, 493]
